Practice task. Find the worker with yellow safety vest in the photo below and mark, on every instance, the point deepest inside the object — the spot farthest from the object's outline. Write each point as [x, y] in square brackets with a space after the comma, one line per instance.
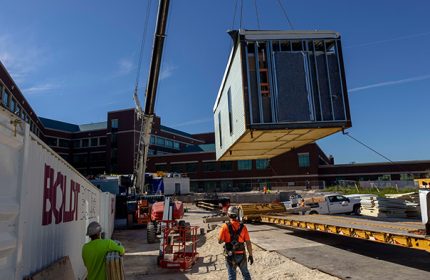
[235, 236]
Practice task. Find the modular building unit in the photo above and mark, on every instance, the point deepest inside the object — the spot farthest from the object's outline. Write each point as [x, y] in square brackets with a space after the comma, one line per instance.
[176, 185]
[281, 90]
[45, 205]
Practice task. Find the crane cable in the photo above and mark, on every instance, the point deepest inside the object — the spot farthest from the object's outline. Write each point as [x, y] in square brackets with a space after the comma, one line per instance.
[142, 47]
[286, 15]
[367, 146]
[241, 14]
[258, 16]
[234, 14]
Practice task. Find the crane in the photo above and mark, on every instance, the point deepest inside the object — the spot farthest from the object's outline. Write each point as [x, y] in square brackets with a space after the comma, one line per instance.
[146, 115]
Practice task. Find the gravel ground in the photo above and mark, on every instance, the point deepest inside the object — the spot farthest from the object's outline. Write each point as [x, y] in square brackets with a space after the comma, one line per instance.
[140, 259]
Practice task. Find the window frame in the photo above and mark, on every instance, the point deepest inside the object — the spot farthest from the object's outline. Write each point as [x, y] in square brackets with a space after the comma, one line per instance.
[240, 166]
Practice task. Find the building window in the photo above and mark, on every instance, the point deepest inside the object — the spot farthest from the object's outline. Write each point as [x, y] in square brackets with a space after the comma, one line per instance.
[152, 139]
[85, 143]
[160, 167]
[51, 141]
[114, 123]
[177, 167]
[219, 129]
[226, 186]
[76, 143]
[406, 176]
[6, 99]
[304, 160]
[64, 143]
[94, 142]
[169, 143]
[191, 167]
[102, 141]
[386, 177]
[18, 111]
[230, 111]
[244, 164]
[209, 166]
[226, 165]
[12, 105]
[209, 186]
[160, 141]
[114, 140]
[176, 145]
[114, 155]
[262, 163]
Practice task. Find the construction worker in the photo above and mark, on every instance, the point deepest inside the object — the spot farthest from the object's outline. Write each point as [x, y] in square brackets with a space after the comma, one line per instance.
[94, 252]
[235, 235]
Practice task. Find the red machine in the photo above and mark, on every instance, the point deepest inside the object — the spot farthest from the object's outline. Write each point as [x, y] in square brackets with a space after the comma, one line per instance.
[179, 245]
[157, 212]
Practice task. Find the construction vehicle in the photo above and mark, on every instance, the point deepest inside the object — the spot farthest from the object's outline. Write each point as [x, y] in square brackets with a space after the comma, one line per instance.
[139, 209]
[330, 204]
[156, 217]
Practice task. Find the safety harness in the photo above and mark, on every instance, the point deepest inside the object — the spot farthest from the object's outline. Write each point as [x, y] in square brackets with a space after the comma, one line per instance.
[234, 247]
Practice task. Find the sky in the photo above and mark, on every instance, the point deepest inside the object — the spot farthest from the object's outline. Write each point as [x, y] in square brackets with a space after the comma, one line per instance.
[76, 60]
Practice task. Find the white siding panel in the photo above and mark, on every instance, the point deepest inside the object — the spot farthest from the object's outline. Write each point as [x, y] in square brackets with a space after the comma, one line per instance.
[10, 151]
[45, 205]
[234, 82]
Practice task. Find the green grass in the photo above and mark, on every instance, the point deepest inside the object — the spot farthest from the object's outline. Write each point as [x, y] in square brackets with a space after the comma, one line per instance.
[379, 192]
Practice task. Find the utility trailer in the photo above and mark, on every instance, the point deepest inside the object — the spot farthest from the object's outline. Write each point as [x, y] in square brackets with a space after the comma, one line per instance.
[405, 234]
[281, 90]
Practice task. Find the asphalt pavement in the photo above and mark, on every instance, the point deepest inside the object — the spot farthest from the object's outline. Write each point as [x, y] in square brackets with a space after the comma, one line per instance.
[343, 257]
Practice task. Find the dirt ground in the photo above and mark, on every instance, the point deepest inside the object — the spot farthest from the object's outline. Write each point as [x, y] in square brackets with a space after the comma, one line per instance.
[140, 259]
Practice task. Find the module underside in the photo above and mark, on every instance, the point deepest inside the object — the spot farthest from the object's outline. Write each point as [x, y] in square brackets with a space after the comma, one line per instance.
[263, 144]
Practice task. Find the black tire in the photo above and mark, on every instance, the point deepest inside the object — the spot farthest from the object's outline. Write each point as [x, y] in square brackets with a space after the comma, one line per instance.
[313, 212]
[356, 210]
[151, 233]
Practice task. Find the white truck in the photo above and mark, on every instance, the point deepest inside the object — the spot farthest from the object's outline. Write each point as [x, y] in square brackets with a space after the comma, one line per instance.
[325, 204]
[333, 204]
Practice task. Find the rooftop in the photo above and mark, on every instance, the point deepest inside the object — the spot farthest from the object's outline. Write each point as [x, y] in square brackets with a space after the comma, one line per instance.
[57, 125]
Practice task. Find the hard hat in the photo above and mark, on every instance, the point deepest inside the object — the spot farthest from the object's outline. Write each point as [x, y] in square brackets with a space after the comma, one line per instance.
[94, 228]
[233, 212]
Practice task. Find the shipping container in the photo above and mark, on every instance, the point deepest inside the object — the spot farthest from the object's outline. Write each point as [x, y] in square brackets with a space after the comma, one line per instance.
[280, 90]
[45, 204]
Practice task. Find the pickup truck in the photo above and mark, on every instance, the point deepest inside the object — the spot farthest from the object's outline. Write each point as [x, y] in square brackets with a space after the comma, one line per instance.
[324, 204]
[333, 204]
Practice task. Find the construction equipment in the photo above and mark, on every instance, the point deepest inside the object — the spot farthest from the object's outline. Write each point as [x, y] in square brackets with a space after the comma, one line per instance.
[162, 211]
[179, 245]
[213, 202]
[139, 209]
[424, 193]
[147, 115]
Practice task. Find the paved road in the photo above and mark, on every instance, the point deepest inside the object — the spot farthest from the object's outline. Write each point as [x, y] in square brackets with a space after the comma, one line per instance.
[344, 257]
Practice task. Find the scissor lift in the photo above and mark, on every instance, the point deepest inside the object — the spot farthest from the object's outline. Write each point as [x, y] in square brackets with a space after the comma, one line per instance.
[178, 246]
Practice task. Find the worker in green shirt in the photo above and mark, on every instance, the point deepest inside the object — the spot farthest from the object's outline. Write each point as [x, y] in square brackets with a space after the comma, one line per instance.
[94, 252]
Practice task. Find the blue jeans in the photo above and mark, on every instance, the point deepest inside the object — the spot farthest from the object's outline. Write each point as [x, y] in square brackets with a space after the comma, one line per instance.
[238, 261]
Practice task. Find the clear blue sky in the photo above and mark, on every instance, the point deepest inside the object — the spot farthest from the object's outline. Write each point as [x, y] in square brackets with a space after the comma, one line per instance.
[76, 60]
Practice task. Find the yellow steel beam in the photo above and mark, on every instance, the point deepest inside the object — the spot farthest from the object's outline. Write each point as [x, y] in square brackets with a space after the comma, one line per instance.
[415, 242]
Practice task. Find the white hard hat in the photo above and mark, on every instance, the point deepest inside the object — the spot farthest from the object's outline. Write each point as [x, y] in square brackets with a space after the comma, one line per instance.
[94, 228]
[233, 212]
